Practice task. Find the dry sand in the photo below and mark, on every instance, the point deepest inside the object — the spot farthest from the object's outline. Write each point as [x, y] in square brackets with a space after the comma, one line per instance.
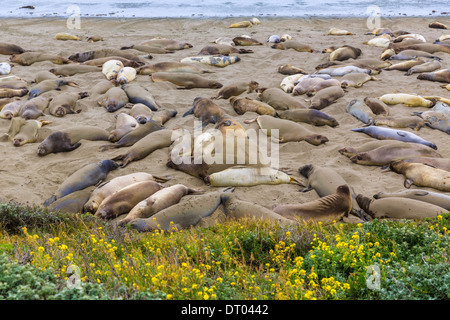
[27, 178]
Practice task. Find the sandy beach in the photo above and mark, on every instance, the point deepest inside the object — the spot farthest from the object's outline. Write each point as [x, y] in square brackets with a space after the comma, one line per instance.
[28, 178]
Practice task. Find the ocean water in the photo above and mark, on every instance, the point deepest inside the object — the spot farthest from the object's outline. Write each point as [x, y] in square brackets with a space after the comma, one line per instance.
[224, 8]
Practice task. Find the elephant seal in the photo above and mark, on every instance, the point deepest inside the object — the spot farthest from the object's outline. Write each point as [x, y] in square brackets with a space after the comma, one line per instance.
[142, 148]
[141, 113]
[437, 25]
[72, 69]
[65, 103]
[326, 209]
[158, 201]
[84, 177]
[125, 75]
[236, 89]
[237, 209]
[108, 188]
[356, 80]
[114, 99]
[289, 70]
[123, 200]
[324, 181]
[133, 136]
[311, 116]
[326, 97]
[394, 134]
[186, 80]
[439, 76]
[48, 85]
[73, 202]
[441, 107]
[438, 199]
[311, 86]
[377, 106]
[344, 53]
[409, 100]
[289, 82]
[44, 75]
[23, 131]
[425, 67]
[103, 53]
[99, 62]
[278, 99]
[422, 175]
[170, 67]
[222, 49]
[406, 65]
[409, 54]
[435, 162]
[373, 144]
[205, 110]
[11, 93]
[10, 48]
[138, 94]
[435, 120]
[124, 124]
[34, 108]
[246, 41]
[66, 36]
[411, 122]
[69, 139]
[340, 71]
[148, 49]
[360, 111]
[168, 44]
[29, 58]
[244, 104]
[292, 44]
[392, 152]
[216, 61]
[190, 211]
[243, 176]
[163, 115]
[428, 47]
[111, 68]
[398, 208]
[288, 130]
[11, 109]
[339, 32]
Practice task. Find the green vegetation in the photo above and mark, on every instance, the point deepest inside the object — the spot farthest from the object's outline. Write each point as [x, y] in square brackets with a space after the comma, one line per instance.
[45, 255]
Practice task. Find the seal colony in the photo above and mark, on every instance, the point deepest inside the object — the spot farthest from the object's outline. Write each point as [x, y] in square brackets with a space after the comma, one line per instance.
[90, 128]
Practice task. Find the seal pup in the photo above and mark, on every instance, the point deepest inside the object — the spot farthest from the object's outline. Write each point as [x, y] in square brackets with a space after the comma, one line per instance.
[167, 44]
[278, 99]
[158, 201]
[246, 41]
[398, 208]
[114, 99]
[138, 94]
[215, 61]
[99, 62]
[65, 103]
[23, 131]
[29, 58]
[111, 68]
[103, 53]
[377, 106]
[72, 69]
[206, 110]
[411, 122]
[425, 67]
[10, 93]
[222, 49]
[409, 100]
[112, 186]
[71, 203]
[236, 89]
[326, 209]
[292, 44]
[125, 75]
[10, 48]
[439, 76]
[435, 120]
[350, 151]
[344, 53]
[437, 25]
[438, 199]
[124, 124]
[245, 104]
[148, 49]
[34, 108]
[12, 109]
[326, 97]
[170, 67]
[360, 111]
[186, 80]
[310, 116]
[339, 32]
[84, 177]
[48, 85]
[289, 70]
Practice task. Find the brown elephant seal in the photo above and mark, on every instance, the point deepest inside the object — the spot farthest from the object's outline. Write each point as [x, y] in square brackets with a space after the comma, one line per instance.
[422, 175]
[11, 109]
[34, 108]
[114, 99]
[13, 84]
[11, 93]
[311, 116]
[222, 49]
[324, 181]
[326, 209]
[73, 202]
[71, 69]
[112, 186]
[377, 106]
[292, 44]
[409, 54]
[102, 53]
[124, 124]
[236, 89]
[69, 139]
[435, 119]
[10, 48]
[122, 201]
[427, 47]
[356, 80]
[246, 41]
[412, 122]
[288, 70]
[6, 101]
[167, 66]
[288, 130]
[101, 87]
[163, 115]
[425, 67]
[138, 94]
[311, 86]
[244, 104]
[237, 209]
[189, 212]
[385, 154]
[158, 201]
[398, 208]
[367, 146]
[65, 103]
[439, 76]
[437, 25]
[206, 110]
[141, 113]
[438, 199]
[278, 99]
[28, 58]
[326, 97]
[44, 75]
[84, 177]
[156, 140]
[405, 65]
[23, 131]
[98, 62]
[133, 136]
[344, 53]
[148, 49]
[168, 44]
[186, 80]
[439, 163]
[48, 85]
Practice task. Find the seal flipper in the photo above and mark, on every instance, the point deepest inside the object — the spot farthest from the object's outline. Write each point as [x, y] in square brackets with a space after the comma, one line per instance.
[307, 189]
[49, 201]
[190, 111]
[408, 183]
